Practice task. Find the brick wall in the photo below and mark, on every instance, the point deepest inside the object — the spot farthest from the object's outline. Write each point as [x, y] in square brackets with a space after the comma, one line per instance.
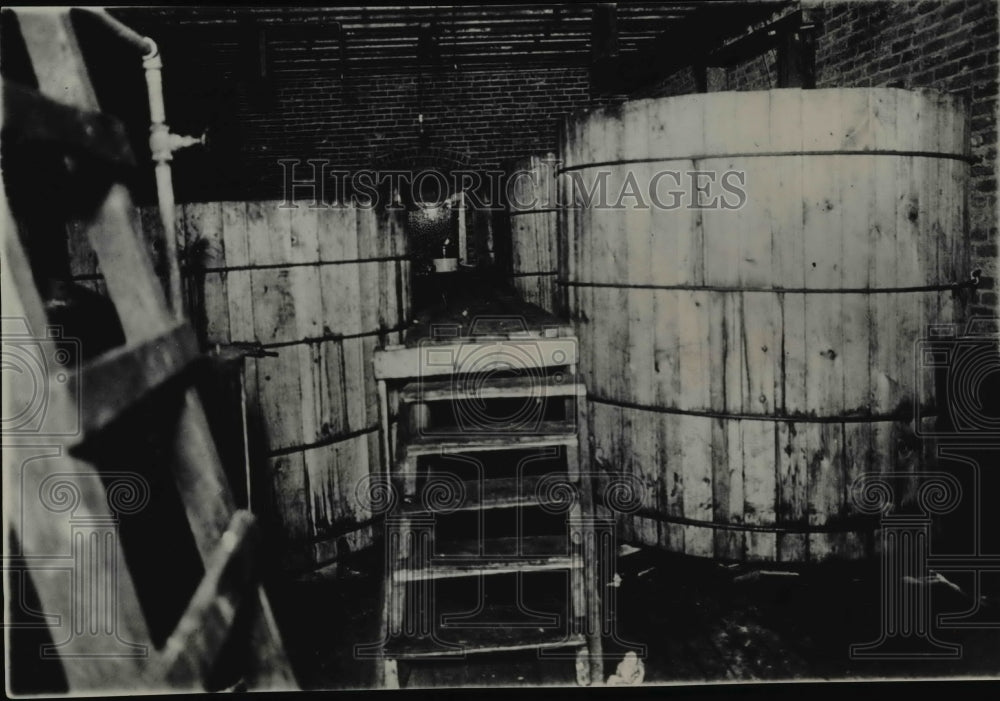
[488, 116]
[948, 45]
[680, 83]
[483, 117]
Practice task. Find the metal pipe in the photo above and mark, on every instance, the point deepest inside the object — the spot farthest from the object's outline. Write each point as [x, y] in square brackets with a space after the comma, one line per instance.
[161, 148]
[162, 144]
[141, 43]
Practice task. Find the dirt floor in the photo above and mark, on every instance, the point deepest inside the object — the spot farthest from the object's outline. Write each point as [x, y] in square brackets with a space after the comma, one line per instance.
[698, 620]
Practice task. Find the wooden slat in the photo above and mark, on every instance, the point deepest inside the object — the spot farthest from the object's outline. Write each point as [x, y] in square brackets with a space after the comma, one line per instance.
[239, 290]
[694, 432]
[759, 487]
[793, 483]
[442, 360]
[500, 388]
[671, 263]
[113, 383]
[646, 469]
[533, 233]
[496, 494]
[303, 288]
[55, 58]
[205, 233]
[288, 478]
[727, 388]
[486, 319]
[824, 212]
[790, 270]
[639, 310]
[491, 556]
[547, 433]
[882, 264]
[191, 651]
[43, 532]
[503, 637]
[276, 674]
[355, 459]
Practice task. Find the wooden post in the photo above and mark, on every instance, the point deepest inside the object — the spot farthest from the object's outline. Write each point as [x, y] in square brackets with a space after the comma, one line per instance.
[797, 58]
[700, 71]
[462, 238]
[604, 46]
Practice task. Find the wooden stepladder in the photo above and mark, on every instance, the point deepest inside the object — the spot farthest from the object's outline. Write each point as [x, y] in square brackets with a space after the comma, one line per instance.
[466, 490]
[62, 504]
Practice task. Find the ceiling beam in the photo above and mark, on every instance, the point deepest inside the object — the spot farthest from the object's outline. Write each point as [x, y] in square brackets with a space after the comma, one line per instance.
[627, 42]
[686, 43]
[604, 43]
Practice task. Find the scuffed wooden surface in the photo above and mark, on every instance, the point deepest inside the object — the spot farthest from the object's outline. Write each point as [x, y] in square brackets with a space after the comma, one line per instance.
[735, 335]
[257, 273]
[533, 232]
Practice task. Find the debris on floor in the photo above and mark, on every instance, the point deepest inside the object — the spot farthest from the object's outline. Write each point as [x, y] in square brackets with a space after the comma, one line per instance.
[630, 672]
[757, 575]
[696, 622]
[936, 578]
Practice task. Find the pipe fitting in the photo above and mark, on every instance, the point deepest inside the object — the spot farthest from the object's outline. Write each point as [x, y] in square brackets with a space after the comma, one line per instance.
[160, 142]
[152, 61]
[152, 52]
[163, 142]
[177, 142]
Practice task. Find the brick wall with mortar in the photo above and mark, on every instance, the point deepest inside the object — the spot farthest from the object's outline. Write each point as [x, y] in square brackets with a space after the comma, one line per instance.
[488, 116]
[947, 45]
[482, 117]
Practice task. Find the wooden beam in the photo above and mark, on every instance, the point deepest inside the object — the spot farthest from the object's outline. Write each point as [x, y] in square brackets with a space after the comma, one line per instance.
[121, 378]
[604, 31]
[693, 42]
[797, 57]
[700, 71]
[767, 37]
[262, 55]
[438, 360]
[604, 45]
[192, 649]
[258, 64]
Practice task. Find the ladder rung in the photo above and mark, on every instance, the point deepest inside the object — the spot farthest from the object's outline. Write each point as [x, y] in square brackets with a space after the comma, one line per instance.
[32, 117]
[433, 360]
[499, 494]
[503, 635]
[492, 556]
[120, 378]
[500, 388]
[192, 649]
[548, 433]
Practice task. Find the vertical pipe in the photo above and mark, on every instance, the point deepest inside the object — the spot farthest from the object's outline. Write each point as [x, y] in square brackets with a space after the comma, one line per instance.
[165, 197]
[242, 378]
[159, 144]
[462, 242]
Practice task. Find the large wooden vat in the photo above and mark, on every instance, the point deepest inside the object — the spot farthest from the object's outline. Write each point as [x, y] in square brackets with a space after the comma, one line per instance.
[320, 288]
[745, 365]
[532, 206]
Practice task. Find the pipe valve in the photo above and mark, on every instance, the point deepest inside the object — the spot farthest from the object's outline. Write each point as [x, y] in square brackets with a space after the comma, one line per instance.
[163, 142]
